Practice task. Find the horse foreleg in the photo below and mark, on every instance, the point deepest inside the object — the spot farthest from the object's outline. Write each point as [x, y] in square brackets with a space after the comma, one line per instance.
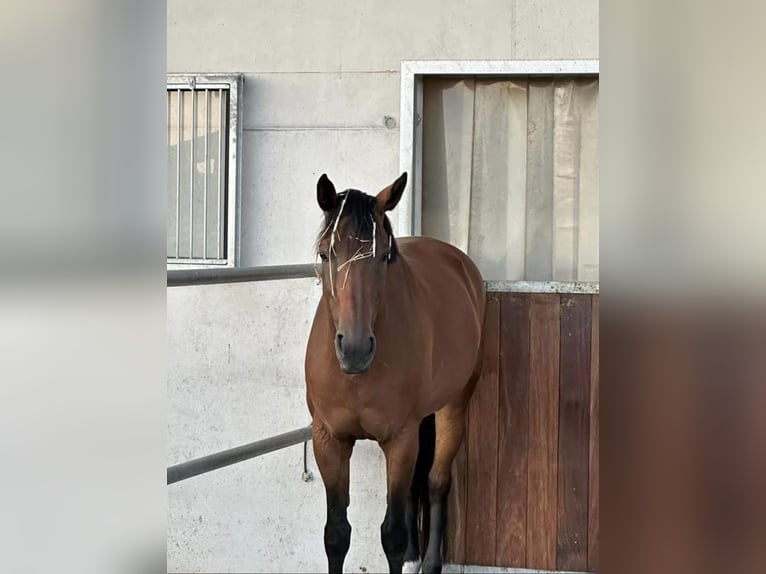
[401, 453]
[450, 427]
[332, 457]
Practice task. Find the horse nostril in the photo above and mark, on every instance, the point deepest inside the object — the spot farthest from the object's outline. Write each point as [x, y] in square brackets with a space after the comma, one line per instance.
[372, 344]
[339, 342]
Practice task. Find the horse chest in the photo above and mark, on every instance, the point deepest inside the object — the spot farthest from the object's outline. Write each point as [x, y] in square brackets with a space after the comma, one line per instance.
[357, 410]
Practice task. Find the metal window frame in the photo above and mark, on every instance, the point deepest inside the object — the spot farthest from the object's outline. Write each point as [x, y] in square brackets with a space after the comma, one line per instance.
[410, 215]
[234, 84]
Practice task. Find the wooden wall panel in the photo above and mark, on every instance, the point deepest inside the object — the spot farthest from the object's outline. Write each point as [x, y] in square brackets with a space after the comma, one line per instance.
[525, 490]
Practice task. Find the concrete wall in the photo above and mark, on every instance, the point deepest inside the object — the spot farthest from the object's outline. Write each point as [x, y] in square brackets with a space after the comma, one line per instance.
[320, 78]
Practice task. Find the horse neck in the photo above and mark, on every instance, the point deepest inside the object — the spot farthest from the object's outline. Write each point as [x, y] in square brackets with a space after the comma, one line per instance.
[399, 287]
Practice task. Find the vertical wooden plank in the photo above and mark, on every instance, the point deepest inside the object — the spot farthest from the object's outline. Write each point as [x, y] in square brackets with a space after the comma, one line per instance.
[593, 459]
[481, 496]
[574, 426]
[542, 498]
[456, 509]
[513, 425]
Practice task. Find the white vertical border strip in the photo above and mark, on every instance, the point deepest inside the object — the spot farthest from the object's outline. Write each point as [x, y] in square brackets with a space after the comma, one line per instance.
[235, 172]
[407, 145]
[417, 164]
[412, 72]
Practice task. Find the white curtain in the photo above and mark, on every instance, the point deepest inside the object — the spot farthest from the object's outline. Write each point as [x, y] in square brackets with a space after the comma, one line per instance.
[510, 174]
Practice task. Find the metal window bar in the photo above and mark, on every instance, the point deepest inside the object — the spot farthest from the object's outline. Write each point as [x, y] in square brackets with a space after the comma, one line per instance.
[169, 132]
[207, 171]
[221, 180]
[192, 169]
[180, 105]
[212, 211]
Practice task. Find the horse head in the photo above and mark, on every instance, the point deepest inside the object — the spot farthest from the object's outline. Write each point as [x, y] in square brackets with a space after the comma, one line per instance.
[356, 246]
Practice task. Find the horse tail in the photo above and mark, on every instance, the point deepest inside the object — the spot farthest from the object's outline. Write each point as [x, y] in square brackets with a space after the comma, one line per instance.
[426, 448]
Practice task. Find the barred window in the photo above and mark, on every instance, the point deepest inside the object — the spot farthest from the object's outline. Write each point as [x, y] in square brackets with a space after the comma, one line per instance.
[203, 170]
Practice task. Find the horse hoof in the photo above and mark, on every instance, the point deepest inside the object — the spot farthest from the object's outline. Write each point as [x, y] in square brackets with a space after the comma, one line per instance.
[411, 567]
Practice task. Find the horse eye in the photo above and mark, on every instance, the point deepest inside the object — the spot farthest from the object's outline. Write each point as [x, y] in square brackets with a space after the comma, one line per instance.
[323, 257]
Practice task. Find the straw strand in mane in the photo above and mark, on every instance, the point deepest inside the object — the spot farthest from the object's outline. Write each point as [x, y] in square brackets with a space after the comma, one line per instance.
[357, 211]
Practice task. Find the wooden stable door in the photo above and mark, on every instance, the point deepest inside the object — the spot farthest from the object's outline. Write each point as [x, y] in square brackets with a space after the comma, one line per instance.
[525, 482]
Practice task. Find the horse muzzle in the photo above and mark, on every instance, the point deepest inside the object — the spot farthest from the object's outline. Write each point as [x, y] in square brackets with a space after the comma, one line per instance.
[355, 353]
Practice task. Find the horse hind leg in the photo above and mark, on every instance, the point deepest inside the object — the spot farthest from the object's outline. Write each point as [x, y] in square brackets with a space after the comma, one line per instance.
[418, 498]
[412, 553]
[450, 428]
[401, 455]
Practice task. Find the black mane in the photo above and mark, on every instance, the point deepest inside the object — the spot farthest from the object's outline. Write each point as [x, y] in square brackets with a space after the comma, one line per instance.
[358, 215]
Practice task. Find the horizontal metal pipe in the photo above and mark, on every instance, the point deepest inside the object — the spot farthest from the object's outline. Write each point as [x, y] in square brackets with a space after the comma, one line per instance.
[181, 277]
[237, 454]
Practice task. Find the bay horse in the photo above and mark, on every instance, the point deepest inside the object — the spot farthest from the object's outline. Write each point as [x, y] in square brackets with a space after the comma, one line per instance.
[393, 355]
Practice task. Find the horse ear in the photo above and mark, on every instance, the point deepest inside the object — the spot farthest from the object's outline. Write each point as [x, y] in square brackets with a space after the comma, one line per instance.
[390, 196]
[326, 195]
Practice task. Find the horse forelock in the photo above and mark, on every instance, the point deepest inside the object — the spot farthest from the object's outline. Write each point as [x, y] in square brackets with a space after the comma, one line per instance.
[354, 215]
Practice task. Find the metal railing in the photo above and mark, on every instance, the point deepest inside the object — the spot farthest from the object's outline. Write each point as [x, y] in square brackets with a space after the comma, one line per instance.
[237, 454]
[197, 466]
[185, 277]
